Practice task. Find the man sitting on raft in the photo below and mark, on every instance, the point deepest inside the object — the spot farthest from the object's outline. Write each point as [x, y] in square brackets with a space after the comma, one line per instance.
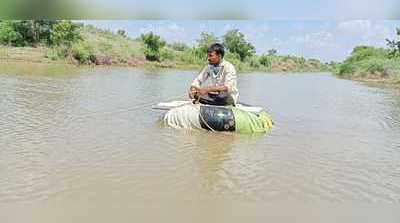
[216, 84]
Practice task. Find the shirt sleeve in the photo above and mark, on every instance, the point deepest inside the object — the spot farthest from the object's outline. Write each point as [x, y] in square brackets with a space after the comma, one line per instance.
[203, 75]
[230, 78]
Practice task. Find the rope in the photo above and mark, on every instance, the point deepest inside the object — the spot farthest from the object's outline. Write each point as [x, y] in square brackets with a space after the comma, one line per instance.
[137, 106]
[196, 100]
[204, 121]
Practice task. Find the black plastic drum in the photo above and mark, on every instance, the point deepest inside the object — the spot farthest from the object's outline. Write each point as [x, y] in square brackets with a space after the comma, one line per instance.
[217, 118]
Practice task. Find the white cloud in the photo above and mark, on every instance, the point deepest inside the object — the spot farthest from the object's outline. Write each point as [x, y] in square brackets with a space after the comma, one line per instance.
[314, 40]
[354, 27]
[170, 31]
[370, 33]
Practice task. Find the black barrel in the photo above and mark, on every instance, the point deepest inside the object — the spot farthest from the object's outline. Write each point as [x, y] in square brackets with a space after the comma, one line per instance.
[217, 118]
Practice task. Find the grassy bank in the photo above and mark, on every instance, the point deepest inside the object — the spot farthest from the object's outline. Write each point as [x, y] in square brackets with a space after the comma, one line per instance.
[79, 44]
[372, 64]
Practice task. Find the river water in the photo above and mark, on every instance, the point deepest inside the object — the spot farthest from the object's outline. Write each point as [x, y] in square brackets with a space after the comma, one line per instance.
[87, 147]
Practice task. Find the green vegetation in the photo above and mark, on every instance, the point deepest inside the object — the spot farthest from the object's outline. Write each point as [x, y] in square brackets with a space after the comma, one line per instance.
[153, 45]
[68, 42]
[102, 47]
[236, 43]
[373, 64]
[394, 46]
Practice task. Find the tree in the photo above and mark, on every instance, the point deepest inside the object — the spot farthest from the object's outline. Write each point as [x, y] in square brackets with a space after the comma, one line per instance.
[42, 30]
[9, 36]
[153, 44]
[206, 39]
[272, 52]
[34, 31]
[235, 42]
[394, 45]
[65, 33]
[122, 33]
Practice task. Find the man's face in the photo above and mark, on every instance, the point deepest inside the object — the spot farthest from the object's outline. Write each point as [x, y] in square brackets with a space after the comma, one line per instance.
[214, 58]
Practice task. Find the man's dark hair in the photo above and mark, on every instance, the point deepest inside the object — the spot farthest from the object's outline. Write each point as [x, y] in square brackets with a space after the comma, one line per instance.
[217, 48]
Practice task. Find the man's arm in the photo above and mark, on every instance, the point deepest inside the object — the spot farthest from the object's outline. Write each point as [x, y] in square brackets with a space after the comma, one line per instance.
[196, 84]
[230, 80]
[200, 78]
[205, 91]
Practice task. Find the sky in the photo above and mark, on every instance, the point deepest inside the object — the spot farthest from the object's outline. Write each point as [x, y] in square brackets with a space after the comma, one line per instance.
[327, 40]
[249, 9]
[204, 9]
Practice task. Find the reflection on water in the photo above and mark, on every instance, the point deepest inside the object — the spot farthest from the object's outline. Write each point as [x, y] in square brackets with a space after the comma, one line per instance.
[73, 142]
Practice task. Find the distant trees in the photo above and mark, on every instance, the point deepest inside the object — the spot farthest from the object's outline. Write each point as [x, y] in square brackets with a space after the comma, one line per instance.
[179, 46]
[272, 52]
[394, 45]
[33, 32]
[206, 39]
[122, 33]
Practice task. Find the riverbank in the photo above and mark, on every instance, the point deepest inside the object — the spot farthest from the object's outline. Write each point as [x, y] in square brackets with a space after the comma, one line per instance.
[97, 47]
[372, 65]
[39, 55]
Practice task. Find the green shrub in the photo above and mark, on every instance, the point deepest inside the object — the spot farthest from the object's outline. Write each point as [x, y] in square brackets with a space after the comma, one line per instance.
[9, 36]
[266, 61]
[82, 52]
[57, 53]
[346, 69]
[167, 54]
[376, 66]
[153, 44]
[361, 53]
[254, 62]
[65, 33]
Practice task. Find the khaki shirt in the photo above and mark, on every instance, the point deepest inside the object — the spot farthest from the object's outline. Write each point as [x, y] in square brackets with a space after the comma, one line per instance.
[228, 78]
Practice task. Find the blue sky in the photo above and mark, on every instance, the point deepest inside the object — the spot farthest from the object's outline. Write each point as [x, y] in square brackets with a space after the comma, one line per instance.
[248, 9]
[326, 40]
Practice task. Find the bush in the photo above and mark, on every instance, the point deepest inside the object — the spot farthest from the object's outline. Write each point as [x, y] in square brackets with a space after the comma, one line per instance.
[394, 45]
[266, 61]
[9, 36]
[153, 44]
[57, 53]
[167, 54]
[193, 56]
[82, 52]
[376, 66]
[65, 33]
[346, 69]
[254, 62]
[361, 53]
[235, 60]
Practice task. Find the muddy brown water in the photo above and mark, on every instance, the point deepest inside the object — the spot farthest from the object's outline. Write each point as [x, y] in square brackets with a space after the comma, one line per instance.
[88, 148]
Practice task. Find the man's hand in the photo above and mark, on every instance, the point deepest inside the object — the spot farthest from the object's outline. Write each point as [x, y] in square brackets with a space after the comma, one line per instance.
[192, 91]
[202, 91]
